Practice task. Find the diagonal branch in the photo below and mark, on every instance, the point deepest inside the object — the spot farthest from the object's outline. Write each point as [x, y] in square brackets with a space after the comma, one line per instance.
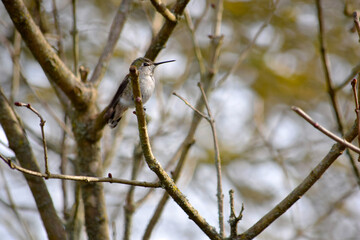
[164, 34]
[115, 31]
[163, 10]
[55, 69]
[301, 189]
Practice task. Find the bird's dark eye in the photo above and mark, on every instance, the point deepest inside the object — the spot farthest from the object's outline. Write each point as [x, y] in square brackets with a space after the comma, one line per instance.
[146, 64]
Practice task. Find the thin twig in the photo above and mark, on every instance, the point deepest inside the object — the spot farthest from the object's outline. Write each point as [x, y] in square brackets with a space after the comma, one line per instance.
[130, 207]
[166, 181]
[325, 131]
[60, 44]
[357, 109]
[357, 23]
[197, 50]
[219, 194]
[86, 179]
[192, 107]
[233, 219]
[42, 124]
[326, 65]
[75, 39]
[163, 10]
[329, 82]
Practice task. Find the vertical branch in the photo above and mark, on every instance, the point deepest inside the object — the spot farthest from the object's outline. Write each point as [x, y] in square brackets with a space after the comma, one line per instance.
[16, 65]
[63, 165]
[75, 39]
[60, 45]
[357, 108]
[220, 195]
[326, 65]
[130, 205]
[329, 84]
[115, 31]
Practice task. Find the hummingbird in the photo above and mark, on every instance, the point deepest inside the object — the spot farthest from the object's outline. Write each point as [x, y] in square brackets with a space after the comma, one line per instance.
[124, 98]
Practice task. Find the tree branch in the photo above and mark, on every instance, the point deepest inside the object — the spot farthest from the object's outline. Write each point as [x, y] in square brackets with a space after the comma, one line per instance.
[57, 72]
[164, 34]
[155, 166]
[114, 35]
[163, 10]
[300, 190]
[20, 145]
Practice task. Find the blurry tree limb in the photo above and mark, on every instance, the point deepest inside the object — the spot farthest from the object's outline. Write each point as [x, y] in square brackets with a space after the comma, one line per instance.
[75, 38]
[329, 83]
[55, 69]
[159, 42]
[166, 181]
[301, 189]
[58, 32]
[20, 145]
[357, 108]
[244, 53]
[163, 10]
[15, 81]
[326, 66]
[14, 208]
[357, 23]
[114, 35]
[130, 206]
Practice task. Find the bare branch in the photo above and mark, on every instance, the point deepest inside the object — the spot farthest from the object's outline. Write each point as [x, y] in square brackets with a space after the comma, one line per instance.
[155, 166]
[164, 34]
[75, 39]
[233, 219]
[219, 194]
[19, 143]
[301, 189]
[324, 130]
[86, 179]
[42, 124]
[114, 35]
[56, 70]
[357, 23]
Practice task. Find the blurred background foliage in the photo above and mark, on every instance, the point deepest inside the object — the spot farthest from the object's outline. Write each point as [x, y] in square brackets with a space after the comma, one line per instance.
[266, 149]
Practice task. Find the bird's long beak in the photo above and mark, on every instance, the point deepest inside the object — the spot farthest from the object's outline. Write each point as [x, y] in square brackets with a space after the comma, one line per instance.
[158, 63]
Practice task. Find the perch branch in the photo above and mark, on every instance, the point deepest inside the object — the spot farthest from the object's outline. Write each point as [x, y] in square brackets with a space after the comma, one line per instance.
[166, 181]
